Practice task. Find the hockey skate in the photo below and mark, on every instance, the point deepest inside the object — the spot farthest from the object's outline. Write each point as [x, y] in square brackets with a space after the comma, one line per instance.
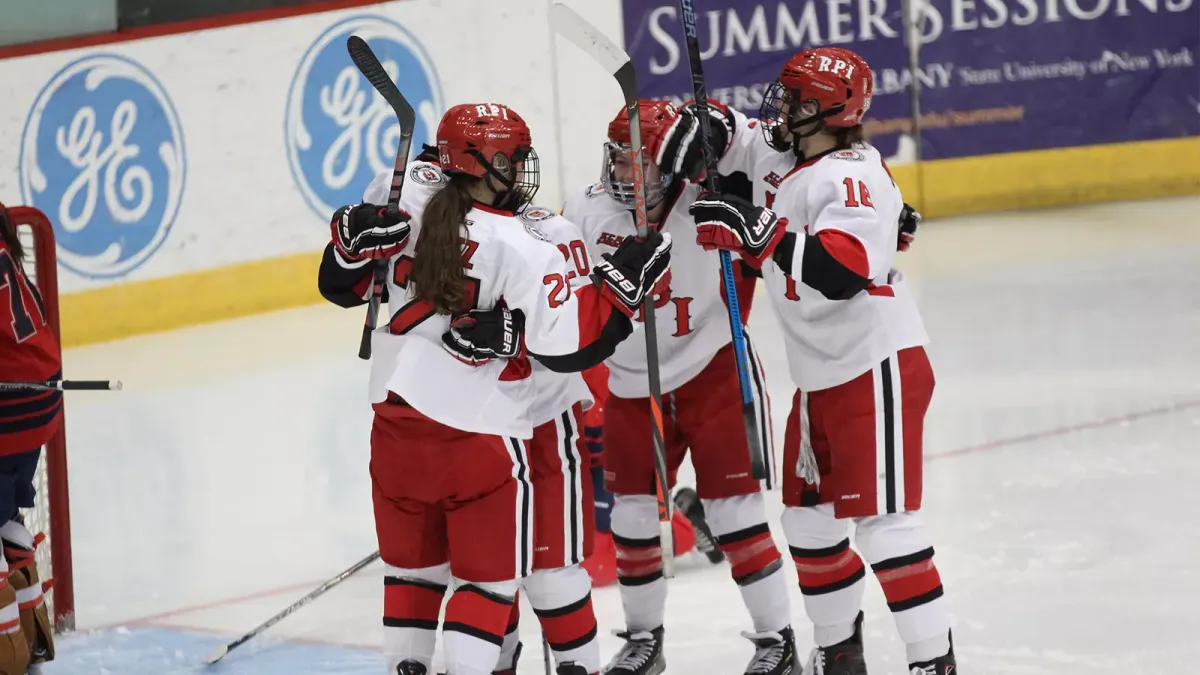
[641, 655]
[688, 503]
[942, 665]
[843, 658]
[774, 654]
[410, 667]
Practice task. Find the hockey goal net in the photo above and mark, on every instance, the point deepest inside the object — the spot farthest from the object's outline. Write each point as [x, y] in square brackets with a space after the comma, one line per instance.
[50, 514]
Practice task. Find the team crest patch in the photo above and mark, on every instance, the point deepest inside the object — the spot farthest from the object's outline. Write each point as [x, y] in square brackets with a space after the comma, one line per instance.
[535, 232]
[593, 190]
[852, 155]
[426, 175]
[534, 214]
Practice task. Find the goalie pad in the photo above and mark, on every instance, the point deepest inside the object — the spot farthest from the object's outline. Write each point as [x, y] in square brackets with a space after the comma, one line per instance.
[14, 648]
[19, 546]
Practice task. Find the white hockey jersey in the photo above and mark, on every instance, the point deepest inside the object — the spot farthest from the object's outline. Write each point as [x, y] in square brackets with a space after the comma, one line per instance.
[692, 321]
[848, 195]
[505, 257]
[557, 392]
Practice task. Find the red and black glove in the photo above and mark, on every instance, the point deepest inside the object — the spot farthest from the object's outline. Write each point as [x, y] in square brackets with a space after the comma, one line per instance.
[730, 223]
[910, 219]
[481, 335]
[637, 267]
[679, 152]
[368, 231]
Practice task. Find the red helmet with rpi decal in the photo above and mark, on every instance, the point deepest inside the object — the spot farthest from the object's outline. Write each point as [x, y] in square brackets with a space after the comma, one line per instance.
[831, 86]
[489, 141]
[656, 120]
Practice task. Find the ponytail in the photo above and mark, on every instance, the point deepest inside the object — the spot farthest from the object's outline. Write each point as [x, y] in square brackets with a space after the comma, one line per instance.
[8, 232]
[438, 265]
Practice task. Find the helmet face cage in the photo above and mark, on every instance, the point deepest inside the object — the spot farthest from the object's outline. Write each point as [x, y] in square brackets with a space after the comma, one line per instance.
[623, 191]
[781, 112]
[518, 178]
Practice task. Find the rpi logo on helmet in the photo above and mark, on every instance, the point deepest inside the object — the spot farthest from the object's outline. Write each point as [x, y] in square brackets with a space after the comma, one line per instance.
[102, 155]
[339, 131]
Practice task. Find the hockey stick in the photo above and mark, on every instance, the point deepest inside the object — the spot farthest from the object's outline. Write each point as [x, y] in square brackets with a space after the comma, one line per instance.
[758, 464]
[368, 64]
[585, 36]
[65, 385]
[221, 651]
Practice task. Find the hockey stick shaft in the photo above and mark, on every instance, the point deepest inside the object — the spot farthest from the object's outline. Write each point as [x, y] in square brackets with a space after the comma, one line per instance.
[65, 385]
[584, 35]
[754, 441]
[368, 64]
[221, 651]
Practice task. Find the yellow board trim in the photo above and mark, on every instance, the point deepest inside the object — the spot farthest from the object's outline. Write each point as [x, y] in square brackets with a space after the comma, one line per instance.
[939, 188]
[238, 290]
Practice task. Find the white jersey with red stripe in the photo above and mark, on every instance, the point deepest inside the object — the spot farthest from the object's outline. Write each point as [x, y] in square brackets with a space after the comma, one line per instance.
[693, 323]
[506, 257]
[557, 392]
[849, 201]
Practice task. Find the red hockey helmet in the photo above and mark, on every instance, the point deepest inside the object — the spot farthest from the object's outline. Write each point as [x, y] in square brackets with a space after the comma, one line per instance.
[656, 118]
[490, 141]
[835, 84]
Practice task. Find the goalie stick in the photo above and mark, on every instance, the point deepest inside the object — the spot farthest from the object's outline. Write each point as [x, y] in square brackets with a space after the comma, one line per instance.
[587, 37]
[220, 652]
[65, 385]
[754, 440]
[368, 64]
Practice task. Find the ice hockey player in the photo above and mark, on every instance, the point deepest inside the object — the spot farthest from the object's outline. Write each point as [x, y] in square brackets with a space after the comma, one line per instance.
[27, 421]
[702, 402]
[823, 226]
[449, 457]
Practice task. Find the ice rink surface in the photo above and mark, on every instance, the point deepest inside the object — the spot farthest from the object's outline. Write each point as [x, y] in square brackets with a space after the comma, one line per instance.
[1063, 457]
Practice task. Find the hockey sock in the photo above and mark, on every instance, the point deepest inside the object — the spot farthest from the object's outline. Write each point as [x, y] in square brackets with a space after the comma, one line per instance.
[412, 600]
[562, 600]
[900, 552]
[511, 648]
[740, 526]
[830, 573]
[639, 561]
[476, 619]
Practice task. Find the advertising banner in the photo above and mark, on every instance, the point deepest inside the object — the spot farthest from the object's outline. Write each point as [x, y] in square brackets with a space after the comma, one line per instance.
[994, 76]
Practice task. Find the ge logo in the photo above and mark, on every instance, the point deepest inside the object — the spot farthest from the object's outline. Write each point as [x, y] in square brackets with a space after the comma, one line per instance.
[102, 155]
[339, 131]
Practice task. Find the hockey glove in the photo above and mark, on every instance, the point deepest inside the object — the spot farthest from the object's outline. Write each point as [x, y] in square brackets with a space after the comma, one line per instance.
[485, 334]
[637, 267]
[730, 223]
[680, 150]
[367, 231]
[910, 219]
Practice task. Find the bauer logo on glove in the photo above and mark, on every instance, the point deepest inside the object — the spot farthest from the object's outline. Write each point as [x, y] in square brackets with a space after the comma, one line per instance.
[729, 223]
[368, 231]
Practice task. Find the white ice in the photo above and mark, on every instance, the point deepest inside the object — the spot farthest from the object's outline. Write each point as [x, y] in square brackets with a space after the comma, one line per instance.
[230, 476]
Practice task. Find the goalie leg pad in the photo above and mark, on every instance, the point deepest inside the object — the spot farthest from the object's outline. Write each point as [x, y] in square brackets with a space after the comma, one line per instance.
[19, 546]
[14, 648]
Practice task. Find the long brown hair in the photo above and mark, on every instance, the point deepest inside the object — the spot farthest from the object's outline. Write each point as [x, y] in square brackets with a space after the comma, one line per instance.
[848, 137]
[438, 265]
[8, 232]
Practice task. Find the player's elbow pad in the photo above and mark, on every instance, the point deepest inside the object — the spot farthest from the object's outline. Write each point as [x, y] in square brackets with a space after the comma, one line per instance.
[825, 274]
[617, 328]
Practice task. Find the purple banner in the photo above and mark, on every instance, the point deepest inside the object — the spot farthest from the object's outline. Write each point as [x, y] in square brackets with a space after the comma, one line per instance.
[994, 75]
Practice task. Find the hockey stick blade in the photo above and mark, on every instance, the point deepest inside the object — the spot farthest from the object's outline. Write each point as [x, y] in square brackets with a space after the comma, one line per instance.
[65, 385]
[368, 64]
[220, 652]
[754, 443]
[604, 51]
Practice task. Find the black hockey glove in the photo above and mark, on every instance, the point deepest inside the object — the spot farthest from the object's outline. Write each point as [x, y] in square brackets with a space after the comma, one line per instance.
[680, 151]
[637, 267]
[362, 231]
[910, 219]
[485, 334]
[730, 223]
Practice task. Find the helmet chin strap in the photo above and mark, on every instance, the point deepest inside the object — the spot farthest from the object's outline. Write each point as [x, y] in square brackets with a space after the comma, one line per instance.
[504, 196]
[818, 121]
